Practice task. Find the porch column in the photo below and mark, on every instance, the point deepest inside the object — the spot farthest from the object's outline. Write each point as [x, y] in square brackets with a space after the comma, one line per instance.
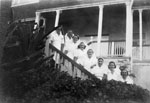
[57, 18]
[100, 24]
[37, 18]
[129, 29]
[140, 32]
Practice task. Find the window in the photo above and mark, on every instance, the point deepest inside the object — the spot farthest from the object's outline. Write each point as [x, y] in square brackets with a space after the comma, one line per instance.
[23, 2]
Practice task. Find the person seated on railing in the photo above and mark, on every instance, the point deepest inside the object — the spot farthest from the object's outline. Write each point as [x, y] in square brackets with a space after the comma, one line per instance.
[125, 77]
[80, 51]
[113, 72]
[101, 69]
[70, 48]
[56, 39]
[88, 61]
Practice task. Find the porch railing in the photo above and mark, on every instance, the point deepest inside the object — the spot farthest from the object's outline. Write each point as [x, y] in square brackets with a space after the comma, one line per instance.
[117, 48]
[69, 65]
[111, 47]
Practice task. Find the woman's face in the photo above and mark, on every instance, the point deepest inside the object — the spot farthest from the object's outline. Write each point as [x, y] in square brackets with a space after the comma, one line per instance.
[124, 73]
[111, 66]
[82, 45]
[90, 53]
[75, 39]
[70, 34]
[100, 62]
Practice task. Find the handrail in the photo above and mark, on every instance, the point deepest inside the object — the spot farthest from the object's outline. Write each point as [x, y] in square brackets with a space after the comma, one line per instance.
[103, 41]
[81, 68]
[144, 45]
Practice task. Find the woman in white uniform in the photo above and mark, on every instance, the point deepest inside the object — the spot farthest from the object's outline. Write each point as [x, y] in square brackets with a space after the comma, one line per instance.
[88, 61]
[69, 37]
[125, 77]
[56, 39]
[113, 73]
[70, 48]
[69, 51]
[100, 70]
[80, 51]
[69, 44]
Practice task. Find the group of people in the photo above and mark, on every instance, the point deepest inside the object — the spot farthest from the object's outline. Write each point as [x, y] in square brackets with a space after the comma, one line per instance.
[78, 51]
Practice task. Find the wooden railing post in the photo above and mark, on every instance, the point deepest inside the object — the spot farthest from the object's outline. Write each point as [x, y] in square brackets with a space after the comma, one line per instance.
[112, 48]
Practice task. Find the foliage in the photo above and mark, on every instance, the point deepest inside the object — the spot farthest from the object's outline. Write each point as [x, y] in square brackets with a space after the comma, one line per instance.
[23, 59]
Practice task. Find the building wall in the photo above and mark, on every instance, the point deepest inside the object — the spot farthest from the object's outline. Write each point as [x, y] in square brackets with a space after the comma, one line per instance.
[142, 71]
[114, 22]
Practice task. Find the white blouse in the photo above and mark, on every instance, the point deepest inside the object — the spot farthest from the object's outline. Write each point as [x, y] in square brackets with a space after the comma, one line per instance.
[100, 71]
[56, 39]
[87, 62]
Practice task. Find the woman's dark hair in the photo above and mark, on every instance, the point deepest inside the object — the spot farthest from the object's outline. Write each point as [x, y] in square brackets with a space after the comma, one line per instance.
[126, 72]
[100, 59]
[112, 62]
[76, 36]
[80, 44]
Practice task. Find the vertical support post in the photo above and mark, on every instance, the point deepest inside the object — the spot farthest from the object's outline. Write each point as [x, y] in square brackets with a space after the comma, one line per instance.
[37, 18]
[112, 48]
[100, 24]
[141, 32]
[57, 18]
[129, 29]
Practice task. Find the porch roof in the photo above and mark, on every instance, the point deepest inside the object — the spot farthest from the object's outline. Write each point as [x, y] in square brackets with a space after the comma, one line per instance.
[28, 11]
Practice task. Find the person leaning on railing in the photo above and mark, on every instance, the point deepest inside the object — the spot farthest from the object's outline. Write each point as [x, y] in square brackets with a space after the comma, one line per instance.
[88, 61]
[70, 48]
[101, 69]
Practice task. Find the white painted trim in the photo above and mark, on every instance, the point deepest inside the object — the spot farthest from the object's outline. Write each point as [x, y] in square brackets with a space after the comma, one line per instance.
[57, 18]
[100, 25]
[84, 6]
[129, 28]
[16, 5]
[141, 7]
[141, 31]
[26, 19]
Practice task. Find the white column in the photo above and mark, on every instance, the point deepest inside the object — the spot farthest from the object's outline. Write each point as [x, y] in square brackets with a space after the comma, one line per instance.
[141, 32]
[100, 25]
[129, 29]
[57, 18]
[37, 18]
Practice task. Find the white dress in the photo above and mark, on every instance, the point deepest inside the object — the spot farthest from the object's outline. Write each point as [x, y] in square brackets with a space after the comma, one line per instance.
[57, 40]
[87, 62]
[113, 76]
[71, 48]
[128, 80]
[68, 40]
[80, 53]
[100, 71]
